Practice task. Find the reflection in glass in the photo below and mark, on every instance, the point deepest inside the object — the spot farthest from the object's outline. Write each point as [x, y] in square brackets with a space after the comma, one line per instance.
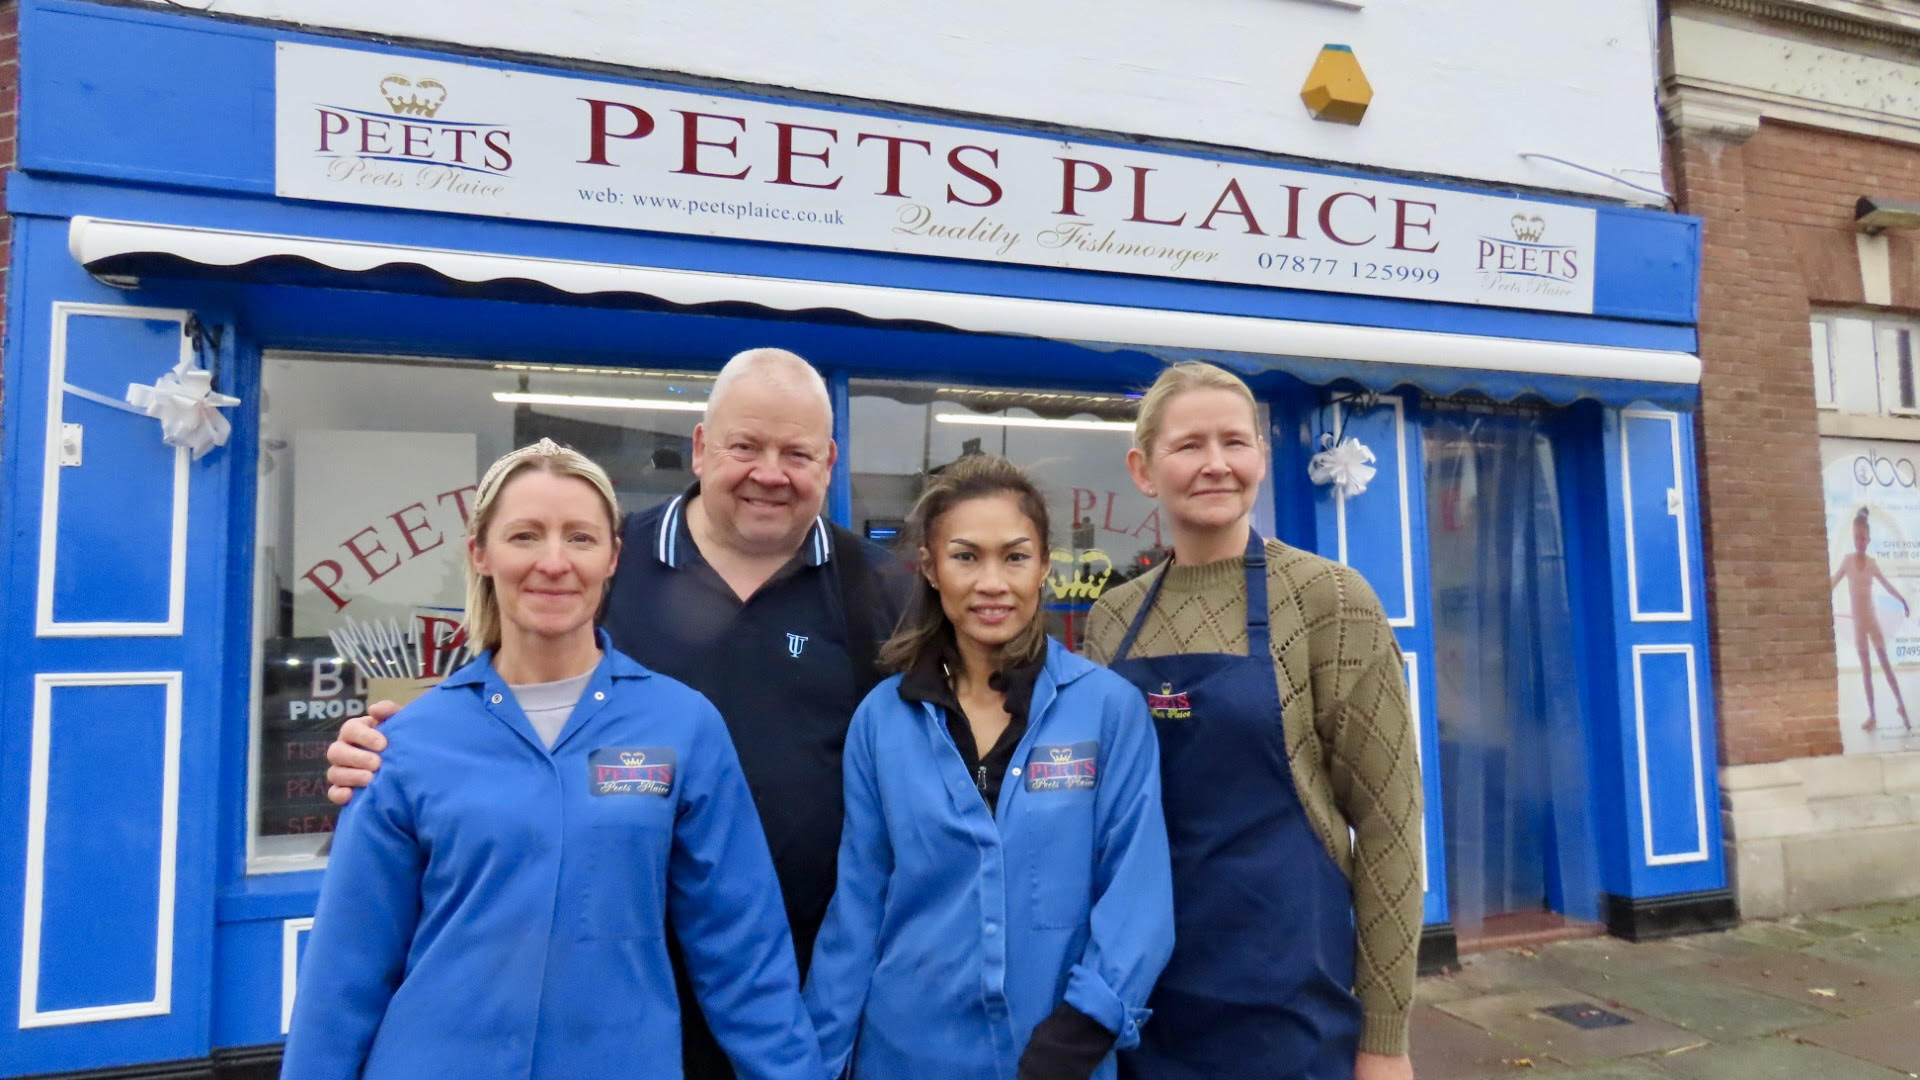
[366, 470]
[1072, 443]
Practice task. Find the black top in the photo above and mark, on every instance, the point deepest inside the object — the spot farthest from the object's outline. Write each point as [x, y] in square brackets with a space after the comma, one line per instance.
[786, 668]
[928, 681]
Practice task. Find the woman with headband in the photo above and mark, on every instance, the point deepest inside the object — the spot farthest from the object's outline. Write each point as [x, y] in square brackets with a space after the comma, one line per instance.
[497, 903]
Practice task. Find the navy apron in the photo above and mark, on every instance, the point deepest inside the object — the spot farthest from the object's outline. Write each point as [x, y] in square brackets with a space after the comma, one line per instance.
[1260, 983]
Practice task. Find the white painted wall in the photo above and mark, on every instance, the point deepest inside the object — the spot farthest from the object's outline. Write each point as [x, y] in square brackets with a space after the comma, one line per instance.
[1461, 88]
[1737, 66]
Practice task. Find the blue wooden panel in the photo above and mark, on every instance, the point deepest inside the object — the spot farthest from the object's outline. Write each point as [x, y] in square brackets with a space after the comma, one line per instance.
[101, 890]
[114, 541]
[1378, 530]
[290, 973]
[1656, 506]
[1670, 744]
[247, 1006]
[1643, 269]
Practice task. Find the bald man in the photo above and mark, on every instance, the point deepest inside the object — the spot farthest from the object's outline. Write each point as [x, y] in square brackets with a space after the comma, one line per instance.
[740, 588]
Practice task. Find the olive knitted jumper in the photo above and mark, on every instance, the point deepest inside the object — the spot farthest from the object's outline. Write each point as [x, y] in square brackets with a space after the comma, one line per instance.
[1349, 736]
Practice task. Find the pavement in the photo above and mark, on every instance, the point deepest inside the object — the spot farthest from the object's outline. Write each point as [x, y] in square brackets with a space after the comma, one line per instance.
[1833, 996]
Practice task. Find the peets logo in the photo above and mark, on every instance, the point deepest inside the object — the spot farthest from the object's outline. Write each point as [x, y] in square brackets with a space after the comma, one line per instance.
[1874, 469]
[375, 146]
[1528, 262]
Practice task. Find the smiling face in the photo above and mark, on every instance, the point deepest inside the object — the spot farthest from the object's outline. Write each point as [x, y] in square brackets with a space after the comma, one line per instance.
[984, 557]
[764, 455]
[549, 548]
[1206, 462]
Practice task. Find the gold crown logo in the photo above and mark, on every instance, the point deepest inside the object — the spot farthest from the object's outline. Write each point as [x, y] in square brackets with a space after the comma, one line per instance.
[633, 757]
[409, 98]
[1061, 754]
[1528, 228]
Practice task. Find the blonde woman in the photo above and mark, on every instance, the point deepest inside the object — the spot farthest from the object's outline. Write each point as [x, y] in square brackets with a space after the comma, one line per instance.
[497, 902]
[1277, 690]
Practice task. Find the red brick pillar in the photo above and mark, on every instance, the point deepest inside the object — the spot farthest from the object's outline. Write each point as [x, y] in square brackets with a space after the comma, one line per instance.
[1763, 514]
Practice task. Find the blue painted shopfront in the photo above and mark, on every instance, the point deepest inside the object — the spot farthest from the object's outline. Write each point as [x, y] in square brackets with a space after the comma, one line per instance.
[138, 934]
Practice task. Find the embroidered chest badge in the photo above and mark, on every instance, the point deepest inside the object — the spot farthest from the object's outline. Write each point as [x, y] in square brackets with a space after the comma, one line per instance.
[796, 643]
[1168, 705]
[1074, 767]
[631, 771]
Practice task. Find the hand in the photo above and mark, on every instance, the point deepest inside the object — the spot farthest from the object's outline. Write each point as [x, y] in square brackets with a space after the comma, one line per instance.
[1382, 1067]
[354, 756]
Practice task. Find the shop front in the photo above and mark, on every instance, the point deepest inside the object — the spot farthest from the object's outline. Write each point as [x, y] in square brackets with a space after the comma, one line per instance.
[399, 264]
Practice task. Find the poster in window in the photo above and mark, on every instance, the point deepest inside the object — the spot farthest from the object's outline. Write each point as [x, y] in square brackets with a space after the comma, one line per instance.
[1873, 559]
[378, 525]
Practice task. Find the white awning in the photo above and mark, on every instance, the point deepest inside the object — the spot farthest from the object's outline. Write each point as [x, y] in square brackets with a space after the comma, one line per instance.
[94, 241]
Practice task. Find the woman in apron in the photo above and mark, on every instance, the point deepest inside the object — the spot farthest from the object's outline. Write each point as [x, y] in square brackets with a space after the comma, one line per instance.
[1288, 768]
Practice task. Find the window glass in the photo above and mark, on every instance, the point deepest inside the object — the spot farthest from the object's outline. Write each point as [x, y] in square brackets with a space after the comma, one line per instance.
[1073, 444]
[1896, 366]
[366, 471]
[1822, 363]
[1856, 374]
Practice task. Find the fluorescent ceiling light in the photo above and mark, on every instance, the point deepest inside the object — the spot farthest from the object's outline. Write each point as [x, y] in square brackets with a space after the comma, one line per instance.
[583, 401]
[1035, 421]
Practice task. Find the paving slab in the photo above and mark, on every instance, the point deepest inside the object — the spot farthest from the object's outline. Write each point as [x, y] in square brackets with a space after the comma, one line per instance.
[1445, 1048]
[1703, 1002]
[1635, 1069]
[1517, 1018]
[1763, 934]
[1434, 989]
[1612, 956]
[1894, 952]
[1891, 1039]
[1776, 1058]
[1878, 916]
[1820, 926]
[1507, 970]
[1817, 981]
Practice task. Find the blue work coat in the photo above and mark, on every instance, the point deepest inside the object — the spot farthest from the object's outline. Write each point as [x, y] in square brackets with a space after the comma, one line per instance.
[493, 908]
[954, 931]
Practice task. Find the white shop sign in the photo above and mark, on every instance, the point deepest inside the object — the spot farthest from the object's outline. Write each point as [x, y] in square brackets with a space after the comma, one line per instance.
[382, 130]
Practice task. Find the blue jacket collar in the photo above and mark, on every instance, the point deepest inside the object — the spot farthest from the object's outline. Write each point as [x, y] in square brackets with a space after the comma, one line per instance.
[1061, 670]
[618, 664]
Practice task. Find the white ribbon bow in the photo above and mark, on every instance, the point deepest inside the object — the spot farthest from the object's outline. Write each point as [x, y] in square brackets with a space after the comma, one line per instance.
[184, 402]
[1347, 465]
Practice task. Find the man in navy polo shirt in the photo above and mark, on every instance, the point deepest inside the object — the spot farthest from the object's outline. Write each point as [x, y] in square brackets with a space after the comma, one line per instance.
[741, 589]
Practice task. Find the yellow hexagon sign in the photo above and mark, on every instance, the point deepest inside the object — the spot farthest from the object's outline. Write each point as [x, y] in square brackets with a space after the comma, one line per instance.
[1336, 88]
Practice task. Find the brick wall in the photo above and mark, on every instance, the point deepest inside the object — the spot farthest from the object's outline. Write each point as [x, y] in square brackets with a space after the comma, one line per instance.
[1779, 240]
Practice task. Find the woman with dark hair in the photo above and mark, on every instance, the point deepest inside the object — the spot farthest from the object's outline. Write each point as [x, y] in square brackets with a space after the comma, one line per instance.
[1004, 900]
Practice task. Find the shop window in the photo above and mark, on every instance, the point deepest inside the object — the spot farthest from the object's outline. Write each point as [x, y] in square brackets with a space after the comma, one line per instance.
[1865, 365]
[1856, 369]
[365, 471]
[1893, 346]
[1073, 444]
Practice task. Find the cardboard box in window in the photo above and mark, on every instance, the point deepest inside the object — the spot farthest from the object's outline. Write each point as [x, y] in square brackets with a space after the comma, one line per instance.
[399, 691]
